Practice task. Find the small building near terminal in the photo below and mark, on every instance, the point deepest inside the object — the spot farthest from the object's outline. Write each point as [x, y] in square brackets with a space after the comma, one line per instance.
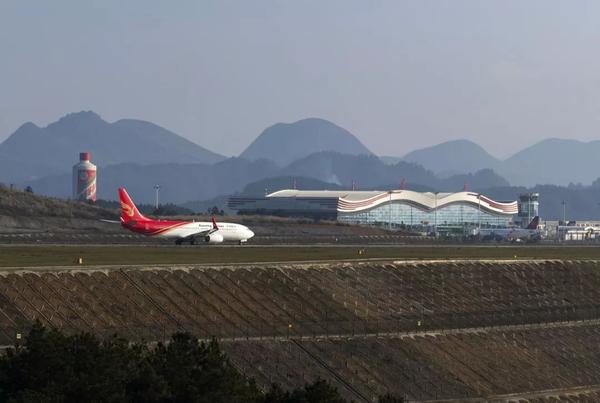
[451, 212]
[578, 231]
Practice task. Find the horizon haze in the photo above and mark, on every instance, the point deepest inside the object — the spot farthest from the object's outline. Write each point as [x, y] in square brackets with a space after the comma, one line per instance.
[400, 75]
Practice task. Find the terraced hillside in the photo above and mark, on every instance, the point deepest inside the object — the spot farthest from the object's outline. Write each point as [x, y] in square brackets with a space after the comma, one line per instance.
[455, 365]
[424, 330]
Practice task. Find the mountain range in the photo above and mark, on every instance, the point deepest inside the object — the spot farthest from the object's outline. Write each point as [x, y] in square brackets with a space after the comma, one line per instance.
[32, 152]
[139, 154]
[554, 161]
[551, 161]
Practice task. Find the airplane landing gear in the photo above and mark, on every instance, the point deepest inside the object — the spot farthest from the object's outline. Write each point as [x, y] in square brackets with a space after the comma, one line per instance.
[178, 242]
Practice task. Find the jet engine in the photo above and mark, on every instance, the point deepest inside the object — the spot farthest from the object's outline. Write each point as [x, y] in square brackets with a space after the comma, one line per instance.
[213, 238]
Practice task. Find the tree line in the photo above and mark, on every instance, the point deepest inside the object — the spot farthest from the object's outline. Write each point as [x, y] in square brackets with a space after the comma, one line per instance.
[50, 366]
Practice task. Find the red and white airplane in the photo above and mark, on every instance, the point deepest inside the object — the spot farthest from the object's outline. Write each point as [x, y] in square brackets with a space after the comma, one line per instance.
[181, 231]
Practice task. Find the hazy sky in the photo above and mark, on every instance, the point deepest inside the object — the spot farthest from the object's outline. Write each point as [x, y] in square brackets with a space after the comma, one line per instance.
[398, 74]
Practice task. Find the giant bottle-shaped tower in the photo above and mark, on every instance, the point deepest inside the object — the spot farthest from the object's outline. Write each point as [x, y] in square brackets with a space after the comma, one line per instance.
[84, 179]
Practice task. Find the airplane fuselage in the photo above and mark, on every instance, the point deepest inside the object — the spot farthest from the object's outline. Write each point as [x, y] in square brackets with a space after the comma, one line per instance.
[510, 233]
[209, 232]
[229, 232]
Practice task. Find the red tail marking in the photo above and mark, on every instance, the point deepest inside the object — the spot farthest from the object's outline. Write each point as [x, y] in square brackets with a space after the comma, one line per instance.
[134, 221]
[534, 223]
[129, 211]
[214, 223]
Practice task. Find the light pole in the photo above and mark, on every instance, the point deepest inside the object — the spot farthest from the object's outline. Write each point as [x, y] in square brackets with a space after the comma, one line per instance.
[479, 212]
[529, 209]
[462, 220]
[564, 204]
[390, 212]
[156, 189]
[435, 216]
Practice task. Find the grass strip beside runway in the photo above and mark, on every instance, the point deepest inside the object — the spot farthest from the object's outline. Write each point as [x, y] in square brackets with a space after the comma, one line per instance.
[68, 255]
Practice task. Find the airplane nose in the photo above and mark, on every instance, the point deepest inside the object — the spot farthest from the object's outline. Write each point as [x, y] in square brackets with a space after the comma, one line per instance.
[250, 234]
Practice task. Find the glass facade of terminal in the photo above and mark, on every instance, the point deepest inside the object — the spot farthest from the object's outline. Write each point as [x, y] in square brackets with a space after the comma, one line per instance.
[402, 214]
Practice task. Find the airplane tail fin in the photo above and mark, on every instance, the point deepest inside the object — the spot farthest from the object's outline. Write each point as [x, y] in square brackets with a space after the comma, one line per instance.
[214, 223]
[534, 223]
[129, 211]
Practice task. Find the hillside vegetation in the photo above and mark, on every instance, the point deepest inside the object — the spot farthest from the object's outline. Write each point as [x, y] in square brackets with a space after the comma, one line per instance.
[25, 212]
[22, 203]
[53, 367]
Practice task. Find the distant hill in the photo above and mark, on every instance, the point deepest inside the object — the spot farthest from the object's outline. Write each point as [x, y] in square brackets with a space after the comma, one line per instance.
[201, 206]
[386, 159]
[369, 172]
[285, 143]
[179, 182]
[554, 161]
[32, 152]
[581, 201]
[453, 157]
[258, 188]
[480, 180]
[365, 170]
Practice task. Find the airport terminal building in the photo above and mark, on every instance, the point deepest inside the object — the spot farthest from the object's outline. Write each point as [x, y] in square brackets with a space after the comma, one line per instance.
[396, 208]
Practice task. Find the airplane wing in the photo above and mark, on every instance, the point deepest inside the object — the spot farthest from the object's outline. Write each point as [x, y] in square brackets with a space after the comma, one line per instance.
[111, 221]
[214, 228]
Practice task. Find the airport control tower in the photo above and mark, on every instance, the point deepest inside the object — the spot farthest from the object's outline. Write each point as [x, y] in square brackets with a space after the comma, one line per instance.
[529, 207]
[84, 179]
